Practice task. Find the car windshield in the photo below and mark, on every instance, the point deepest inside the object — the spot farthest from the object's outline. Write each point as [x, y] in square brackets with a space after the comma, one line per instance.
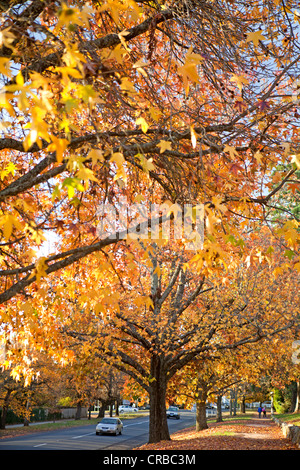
[109, 421]
[173, 408]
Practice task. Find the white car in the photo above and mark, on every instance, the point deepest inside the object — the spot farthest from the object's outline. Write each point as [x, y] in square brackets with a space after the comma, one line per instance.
[127, 409]
[173, 412]
[109, 426]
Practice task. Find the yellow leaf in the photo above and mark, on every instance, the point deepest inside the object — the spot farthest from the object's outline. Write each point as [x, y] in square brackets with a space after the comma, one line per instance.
[297, 267]
[86, 174]
[218, 203]
[287, 147]
[68, 16]
[40, 268]
[118, 158]
[120, 173]
[118, 53]
[7, 38]
[144, 300]
[127, 85]
[122, 35]
[141, 121]
[155, 113]
[231, 150]
[15, 375]
[20, 80]
[58, 146]
[189, 69]
[258, 156]
[4, 102]
[95, 155]
[30, 139]
[10, 168]
[164, 145]
[36, 235]
[4, 67]
[9, 221]
[146, 164]
[239, 80]
[68, 71]
[296, 159]
[255, 37]
[139, 67]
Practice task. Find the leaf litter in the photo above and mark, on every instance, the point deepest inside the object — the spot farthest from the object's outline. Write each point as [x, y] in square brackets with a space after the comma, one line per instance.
[236, 435]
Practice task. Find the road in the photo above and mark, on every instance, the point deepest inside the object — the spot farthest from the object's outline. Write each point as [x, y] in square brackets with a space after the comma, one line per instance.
[135, 433]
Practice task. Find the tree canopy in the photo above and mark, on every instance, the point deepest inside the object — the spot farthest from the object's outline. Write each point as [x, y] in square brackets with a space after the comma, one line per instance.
[184, 102]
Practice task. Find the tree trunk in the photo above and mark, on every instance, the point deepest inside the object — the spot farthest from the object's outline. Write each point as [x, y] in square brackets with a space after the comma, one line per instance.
[202, 393]
[201, 421]
[5, 409]
[233, 402]
[243, 404]
[158, 425]
[26, 419]
[101, 412]
[3, 417]
[219, 409]
[78, 411]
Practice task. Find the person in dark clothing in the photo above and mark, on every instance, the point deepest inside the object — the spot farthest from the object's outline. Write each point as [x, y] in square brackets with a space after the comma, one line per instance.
[264, 412]
[259, 410]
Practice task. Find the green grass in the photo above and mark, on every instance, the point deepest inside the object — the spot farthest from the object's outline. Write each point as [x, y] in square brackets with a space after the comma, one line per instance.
[224, 433]
[293, 418]
[239, 416]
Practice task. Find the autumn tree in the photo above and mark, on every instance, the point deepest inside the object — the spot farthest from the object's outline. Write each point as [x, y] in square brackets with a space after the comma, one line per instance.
[205, 380]
[158, 315]
[21, 397]
[97, 95]
[252, 367]
[189, 101]
[11, 394]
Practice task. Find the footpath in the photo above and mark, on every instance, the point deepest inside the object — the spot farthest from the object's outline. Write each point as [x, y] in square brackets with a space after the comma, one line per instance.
[253, 434]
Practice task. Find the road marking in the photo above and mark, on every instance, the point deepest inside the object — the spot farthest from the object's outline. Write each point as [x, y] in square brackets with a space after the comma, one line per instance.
[134, 424]
[39, 445]
[83, 435]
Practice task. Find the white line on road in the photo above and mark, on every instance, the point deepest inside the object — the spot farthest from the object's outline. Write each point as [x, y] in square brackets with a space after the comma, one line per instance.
[39, 445]
[134, 424]
[83, 435]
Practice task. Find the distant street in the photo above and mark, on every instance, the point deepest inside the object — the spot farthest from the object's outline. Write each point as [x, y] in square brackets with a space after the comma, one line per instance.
[135, 433]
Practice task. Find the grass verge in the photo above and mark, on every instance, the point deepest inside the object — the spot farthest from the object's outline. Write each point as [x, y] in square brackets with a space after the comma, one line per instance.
[293, 418]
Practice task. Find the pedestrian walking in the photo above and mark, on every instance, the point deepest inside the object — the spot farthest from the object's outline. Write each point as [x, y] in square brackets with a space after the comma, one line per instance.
[264, 412]
[259, 410]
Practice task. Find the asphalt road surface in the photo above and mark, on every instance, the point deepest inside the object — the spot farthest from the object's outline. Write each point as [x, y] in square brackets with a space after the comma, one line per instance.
[135, 433]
